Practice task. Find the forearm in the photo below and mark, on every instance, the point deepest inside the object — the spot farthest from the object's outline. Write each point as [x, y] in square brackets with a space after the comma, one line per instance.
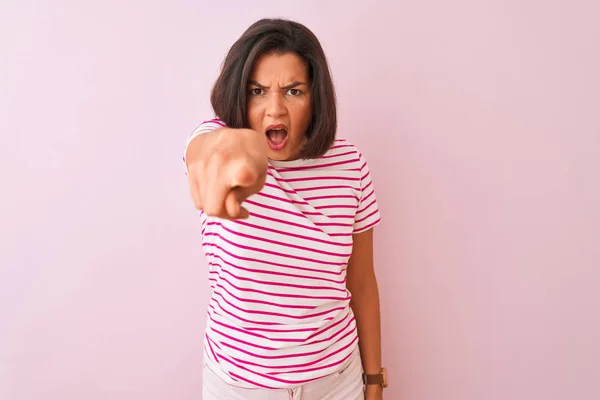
[365, 305]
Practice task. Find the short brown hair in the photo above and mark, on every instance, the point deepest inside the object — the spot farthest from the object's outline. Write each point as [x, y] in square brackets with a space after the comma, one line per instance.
[229, 94]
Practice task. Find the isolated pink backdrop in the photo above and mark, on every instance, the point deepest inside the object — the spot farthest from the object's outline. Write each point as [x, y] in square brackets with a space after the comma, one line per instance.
[480, 120]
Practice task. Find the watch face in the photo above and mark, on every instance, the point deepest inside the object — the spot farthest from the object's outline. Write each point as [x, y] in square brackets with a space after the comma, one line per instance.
[383, 378]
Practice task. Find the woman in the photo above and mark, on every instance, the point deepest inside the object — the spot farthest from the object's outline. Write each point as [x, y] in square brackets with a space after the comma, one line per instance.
[291, 269]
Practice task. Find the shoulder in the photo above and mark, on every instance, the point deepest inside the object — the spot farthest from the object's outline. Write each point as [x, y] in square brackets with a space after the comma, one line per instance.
[344, 148]
[342, 145]
[209, 125]
[205, 127]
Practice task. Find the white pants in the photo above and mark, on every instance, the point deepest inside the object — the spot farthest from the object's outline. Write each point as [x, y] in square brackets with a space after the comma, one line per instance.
[345, 384]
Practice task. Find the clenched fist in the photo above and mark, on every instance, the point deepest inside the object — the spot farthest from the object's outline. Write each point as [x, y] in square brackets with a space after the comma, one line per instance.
[225, 167]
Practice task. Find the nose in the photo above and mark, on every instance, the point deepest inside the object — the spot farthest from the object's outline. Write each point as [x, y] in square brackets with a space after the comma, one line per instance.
[276, 106]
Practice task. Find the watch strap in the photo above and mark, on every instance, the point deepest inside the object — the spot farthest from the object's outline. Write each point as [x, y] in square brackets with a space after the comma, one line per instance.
[375, 379]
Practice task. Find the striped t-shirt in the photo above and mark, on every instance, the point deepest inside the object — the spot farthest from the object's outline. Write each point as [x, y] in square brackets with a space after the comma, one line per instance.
[279, 314]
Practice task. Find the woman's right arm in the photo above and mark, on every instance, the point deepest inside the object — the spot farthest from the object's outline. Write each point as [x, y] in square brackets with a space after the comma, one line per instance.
[225, 166]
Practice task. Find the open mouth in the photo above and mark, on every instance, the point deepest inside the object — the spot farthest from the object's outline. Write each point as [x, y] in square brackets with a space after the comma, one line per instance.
[277, 137]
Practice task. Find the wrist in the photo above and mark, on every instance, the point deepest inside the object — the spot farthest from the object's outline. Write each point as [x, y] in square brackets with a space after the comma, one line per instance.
[373, 392]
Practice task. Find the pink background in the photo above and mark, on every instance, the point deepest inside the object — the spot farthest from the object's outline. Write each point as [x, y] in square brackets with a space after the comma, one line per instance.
[481, 122]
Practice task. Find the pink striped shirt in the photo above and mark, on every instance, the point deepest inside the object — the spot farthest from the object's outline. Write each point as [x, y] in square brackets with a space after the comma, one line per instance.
[279, 314]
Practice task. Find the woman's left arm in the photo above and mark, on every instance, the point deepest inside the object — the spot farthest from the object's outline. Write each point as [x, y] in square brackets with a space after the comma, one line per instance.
[362, 284]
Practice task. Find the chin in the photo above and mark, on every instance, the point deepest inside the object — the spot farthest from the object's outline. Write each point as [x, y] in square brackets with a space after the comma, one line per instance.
[278, 156]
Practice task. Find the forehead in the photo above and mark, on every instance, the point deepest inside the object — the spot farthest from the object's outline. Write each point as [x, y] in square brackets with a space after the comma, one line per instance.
[286, 66]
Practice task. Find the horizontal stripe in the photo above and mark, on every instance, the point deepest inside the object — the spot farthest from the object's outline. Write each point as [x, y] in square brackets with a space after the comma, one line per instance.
[367, 227]
[318, 178]
[280, 284]
[267, 272]
[243, 300]
[328, 187]
[369, 215]
[263, 261]
[340, 146]
[286, 356]
[333, 164]
[343, 360]
[275, 294]
[265, 251]
[283, 199]
[251, 333]
[283, 222]
[280, 232]
[214, 309]
[278, 243]
[331, 197]
[338, 155]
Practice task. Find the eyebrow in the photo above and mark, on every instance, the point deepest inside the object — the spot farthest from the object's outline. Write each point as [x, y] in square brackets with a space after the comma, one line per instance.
[290, 86]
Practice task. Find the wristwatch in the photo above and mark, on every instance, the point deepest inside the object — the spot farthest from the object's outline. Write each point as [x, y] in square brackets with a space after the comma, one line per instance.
[376, 379]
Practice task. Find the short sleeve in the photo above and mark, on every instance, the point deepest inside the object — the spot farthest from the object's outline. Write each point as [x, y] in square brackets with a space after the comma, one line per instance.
[204, 127]
[367, 214]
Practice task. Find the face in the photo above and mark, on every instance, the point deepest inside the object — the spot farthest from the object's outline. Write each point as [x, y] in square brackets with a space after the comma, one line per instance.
[279, 103]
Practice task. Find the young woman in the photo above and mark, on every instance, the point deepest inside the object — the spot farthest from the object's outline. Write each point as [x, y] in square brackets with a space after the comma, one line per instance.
[287, 213]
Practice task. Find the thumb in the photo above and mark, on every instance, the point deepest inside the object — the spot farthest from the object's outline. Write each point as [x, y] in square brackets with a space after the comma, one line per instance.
[233, 205]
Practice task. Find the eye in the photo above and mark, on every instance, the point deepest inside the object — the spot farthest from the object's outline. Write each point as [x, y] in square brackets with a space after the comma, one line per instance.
[256, 91]
[294, 92]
